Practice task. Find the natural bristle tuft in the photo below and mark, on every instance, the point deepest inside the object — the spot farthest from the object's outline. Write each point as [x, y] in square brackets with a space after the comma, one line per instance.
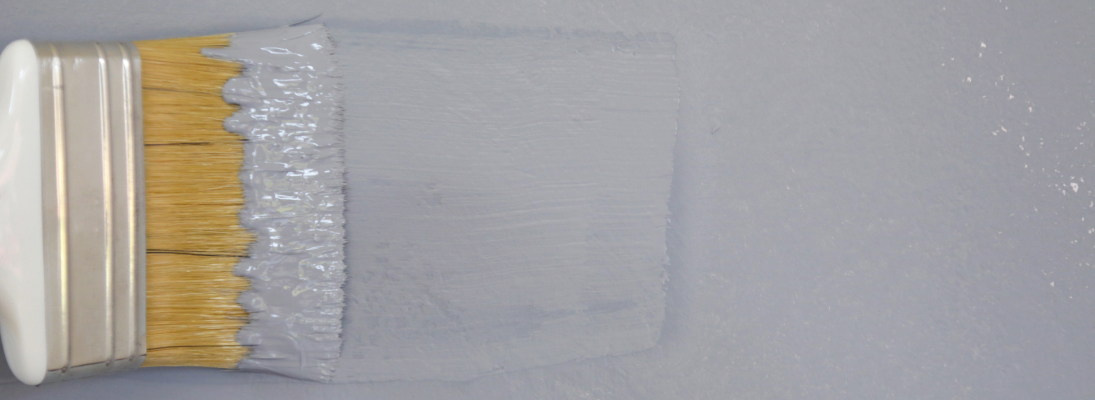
[193, 316]
[193, 200]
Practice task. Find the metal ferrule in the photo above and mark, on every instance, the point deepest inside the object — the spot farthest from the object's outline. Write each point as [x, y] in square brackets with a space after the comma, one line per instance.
[93, 200]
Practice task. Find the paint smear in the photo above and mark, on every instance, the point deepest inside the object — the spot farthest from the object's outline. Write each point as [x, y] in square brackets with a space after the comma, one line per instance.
[507, 197]
[293, 182]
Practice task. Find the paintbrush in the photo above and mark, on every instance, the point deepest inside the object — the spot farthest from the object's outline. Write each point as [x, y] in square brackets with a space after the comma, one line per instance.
[142, 183]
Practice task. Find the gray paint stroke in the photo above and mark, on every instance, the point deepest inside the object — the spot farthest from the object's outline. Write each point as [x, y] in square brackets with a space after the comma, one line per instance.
[508, 198]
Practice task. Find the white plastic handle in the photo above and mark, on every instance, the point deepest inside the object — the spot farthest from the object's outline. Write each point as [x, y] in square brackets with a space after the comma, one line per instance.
[22, 278]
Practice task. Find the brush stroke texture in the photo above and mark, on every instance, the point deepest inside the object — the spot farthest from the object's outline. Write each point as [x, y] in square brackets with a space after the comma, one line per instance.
[507, 198]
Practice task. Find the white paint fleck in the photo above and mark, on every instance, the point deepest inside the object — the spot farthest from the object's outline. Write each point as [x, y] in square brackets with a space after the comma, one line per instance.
[1075, 187]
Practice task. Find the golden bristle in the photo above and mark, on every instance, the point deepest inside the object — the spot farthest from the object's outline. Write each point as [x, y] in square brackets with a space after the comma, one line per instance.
[193, 200]
[194, 194]
[193, 315]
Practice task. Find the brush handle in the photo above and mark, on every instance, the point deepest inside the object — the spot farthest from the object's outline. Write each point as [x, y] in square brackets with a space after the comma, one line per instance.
[71, 219]
[22, 277]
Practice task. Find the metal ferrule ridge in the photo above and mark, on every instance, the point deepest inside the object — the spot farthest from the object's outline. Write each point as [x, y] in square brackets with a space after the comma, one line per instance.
[93, 203]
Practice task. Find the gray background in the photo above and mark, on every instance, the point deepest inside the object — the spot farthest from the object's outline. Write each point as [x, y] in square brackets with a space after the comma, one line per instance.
[870, 200]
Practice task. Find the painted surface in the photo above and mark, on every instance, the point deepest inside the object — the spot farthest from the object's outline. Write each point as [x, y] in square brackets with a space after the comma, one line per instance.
[850, 219]
[508, 196]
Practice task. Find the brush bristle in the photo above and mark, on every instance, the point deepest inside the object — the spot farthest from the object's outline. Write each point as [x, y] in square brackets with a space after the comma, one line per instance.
[193, 200]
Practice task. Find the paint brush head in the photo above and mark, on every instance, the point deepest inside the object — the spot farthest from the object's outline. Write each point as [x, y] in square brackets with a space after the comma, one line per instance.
[193, 201]
[138, 239]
